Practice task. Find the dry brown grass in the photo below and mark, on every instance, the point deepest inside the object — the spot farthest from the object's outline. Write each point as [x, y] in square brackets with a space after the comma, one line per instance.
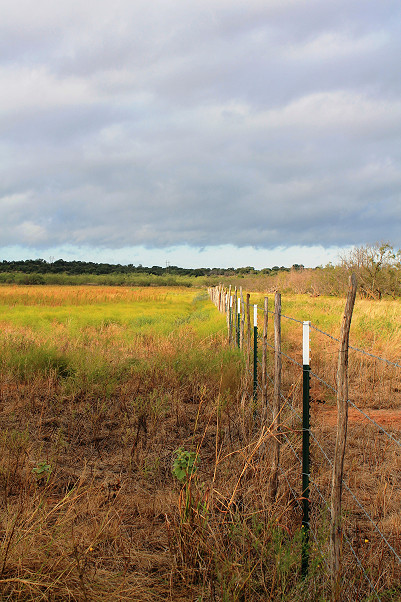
[110, 521]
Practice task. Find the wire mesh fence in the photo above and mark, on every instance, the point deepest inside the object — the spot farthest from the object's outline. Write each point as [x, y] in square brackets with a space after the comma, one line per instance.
[371, 483]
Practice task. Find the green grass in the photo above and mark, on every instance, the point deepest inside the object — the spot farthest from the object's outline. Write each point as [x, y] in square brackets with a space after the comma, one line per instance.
[88, 338]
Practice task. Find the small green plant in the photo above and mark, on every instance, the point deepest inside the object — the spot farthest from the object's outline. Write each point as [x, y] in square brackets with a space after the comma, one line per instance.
[42, 471]
[185, 464]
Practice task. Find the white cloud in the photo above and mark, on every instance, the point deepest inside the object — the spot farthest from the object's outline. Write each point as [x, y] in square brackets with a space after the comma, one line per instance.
[26, 89]
[171, 124]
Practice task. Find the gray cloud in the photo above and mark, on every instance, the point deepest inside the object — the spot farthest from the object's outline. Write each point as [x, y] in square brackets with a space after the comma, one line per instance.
[169, 123]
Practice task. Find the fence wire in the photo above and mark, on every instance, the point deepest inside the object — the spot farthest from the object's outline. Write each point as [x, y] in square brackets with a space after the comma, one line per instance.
[284, 434]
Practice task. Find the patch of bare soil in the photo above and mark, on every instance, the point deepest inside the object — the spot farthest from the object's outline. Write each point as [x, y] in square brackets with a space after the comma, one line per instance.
[327, 416]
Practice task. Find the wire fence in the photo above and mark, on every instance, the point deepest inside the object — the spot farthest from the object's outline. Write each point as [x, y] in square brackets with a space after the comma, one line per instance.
[371, 483]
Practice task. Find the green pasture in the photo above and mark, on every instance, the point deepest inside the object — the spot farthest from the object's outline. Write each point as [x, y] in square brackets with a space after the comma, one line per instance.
[97, 344]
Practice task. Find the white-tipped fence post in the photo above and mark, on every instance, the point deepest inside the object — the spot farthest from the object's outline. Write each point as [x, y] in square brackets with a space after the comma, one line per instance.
[305, 447]
[255, 353]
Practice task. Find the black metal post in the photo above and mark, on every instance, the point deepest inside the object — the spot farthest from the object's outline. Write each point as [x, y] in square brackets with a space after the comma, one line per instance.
[305, 470]
[305, 450]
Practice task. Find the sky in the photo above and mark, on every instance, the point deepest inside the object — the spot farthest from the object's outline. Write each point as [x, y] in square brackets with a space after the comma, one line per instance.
[199, 133]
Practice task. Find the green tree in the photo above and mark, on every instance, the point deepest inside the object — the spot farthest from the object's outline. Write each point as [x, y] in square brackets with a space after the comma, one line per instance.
[377, 267]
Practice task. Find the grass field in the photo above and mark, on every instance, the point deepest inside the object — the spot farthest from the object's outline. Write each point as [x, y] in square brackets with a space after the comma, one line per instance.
[99, 388]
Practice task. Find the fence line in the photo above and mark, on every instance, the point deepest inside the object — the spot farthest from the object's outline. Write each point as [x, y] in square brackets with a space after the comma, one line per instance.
[392, 550]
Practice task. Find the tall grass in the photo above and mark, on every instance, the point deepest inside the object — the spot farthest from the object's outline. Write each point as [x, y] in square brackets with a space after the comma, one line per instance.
[99, 388]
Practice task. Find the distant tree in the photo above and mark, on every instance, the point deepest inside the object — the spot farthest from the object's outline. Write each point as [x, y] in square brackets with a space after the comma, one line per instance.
[246, 270]
[377, 267]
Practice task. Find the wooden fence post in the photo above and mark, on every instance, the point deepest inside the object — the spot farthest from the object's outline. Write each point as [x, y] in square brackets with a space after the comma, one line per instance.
[341, 439]
[247, 332]
[235, 321]
[264, 353]
[276, 397]
[242, 321]
[230, 316]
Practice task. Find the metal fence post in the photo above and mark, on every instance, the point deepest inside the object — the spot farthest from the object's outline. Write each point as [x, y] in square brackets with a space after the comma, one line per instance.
[255, 353]
[305, 449]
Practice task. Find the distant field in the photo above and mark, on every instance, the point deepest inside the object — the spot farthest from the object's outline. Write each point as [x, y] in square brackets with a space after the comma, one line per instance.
[99, 388]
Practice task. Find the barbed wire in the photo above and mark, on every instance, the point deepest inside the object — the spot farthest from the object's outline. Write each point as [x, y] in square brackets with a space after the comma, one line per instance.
[286, 356]
[312, 326]
[314, 375]
[331, 464]
[359, 563]
[377, 357]
[398, 443]
[383, 430]
[359, 503]
[312, 482]
[274, 313]
[290, 445]
[296, 497]
[372, 521]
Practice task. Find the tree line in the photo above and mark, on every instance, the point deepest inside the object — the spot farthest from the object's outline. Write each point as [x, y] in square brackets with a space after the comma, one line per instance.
[376, 266]
[60, 266]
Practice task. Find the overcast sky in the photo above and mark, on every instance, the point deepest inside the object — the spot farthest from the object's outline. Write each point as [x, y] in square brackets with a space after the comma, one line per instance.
[199, 132]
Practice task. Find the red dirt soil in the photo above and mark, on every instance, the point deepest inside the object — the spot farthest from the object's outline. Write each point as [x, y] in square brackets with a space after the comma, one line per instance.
[385, 418]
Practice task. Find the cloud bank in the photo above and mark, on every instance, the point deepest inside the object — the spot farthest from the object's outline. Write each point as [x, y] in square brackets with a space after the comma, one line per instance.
[168, 124]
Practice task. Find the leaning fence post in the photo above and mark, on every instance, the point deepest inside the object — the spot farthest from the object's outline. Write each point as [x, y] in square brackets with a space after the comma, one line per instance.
[305, 448]
[276, 396]
[341, 439]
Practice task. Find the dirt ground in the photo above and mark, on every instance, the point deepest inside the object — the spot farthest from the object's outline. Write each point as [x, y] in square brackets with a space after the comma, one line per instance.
[386, 418]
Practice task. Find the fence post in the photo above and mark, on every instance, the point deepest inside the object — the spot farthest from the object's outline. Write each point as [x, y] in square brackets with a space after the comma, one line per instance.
[264, 353]
[239, 322]
[234, 317]
[341, 439]
[246, 339]
[255, 353]
[276, 396]
[305, 448]
[242, 320]
[230, 310]
[248, 326]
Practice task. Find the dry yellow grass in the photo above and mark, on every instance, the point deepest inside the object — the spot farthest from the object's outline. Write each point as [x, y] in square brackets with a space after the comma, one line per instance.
[98, 389]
